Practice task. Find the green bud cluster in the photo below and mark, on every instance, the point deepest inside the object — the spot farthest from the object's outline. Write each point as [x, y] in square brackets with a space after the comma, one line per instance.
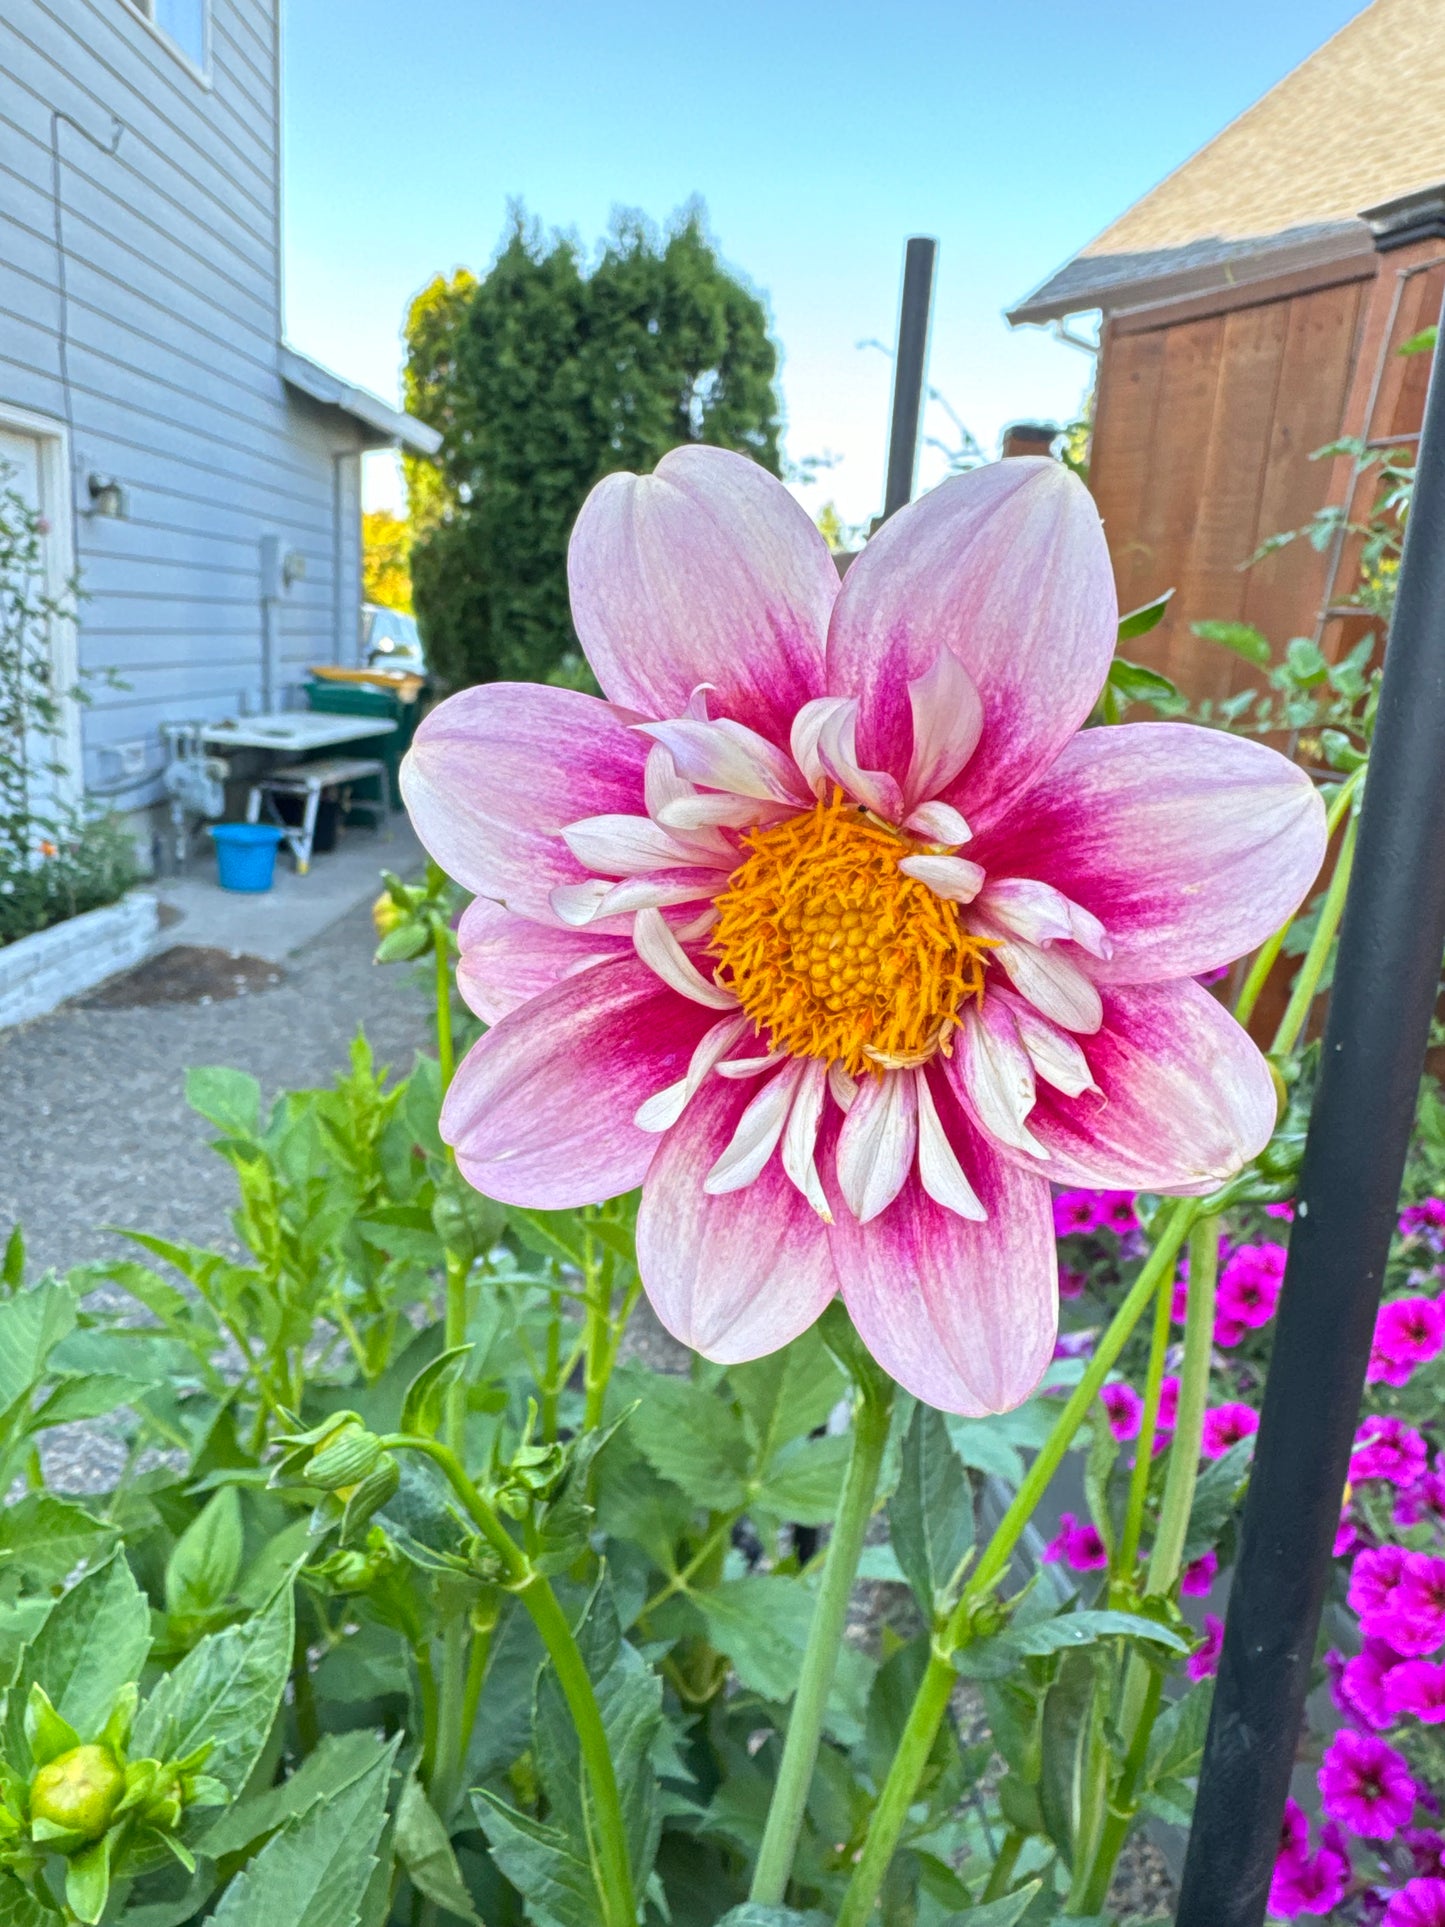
[82, 1796]
[409, 917]
[346, 1462]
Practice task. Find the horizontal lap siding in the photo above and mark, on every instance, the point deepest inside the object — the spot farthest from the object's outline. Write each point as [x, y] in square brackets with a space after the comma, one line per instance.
[173, 297]
[1205, 425]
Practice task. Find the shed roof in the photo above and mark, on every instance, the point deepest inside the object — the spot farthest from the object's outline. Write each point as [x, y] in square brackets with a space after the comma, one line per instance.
[1360, 122]
[385, 426]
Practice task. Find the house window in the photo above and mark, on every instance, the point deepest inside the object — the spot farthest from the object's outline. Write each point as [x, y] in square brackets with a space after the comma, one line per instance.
[184, 24]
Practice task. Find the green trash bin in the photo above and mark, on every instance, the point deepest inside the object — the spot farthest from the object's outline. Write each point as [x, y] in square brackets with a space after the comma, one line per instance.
[366, 699]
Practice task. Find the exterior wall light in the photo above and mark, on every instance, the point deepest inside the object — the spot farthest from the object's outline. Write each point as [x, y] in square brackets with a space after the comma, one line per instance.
[107, 498]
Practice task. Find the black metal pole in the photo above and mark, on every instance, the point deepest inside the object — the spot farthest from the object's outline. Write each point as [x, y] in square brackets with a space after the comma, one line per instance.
[910, 364]
[1386, 981]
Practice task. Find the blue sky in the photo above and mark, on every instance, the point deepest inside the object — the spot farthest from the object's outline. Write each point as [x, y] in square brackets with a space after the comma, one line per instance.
[818, 139]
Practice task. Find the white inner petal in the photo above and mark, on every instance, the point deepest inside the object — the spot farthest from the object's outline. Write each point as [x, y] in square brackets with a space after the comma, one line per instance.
[661, 1111]
[939, 1170]
[947, 723]
[1052, 982]
[663, 954]
[953, 877]
[800, 1136]
[939, 823]
[729, 756]
[757, 1134]
[998, 1076]
[1040, 914]
[875, 1146]
[1057, 1057]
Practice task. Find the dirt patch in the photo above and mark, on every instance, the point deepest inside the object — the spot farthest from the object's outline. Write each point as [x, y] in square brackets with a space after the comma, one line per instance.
[187, 973]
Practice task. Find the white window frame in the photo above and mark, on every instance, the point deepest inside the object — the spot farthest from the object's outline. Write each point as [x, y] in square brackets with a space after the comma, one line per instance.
[143, 10]
[58, 508]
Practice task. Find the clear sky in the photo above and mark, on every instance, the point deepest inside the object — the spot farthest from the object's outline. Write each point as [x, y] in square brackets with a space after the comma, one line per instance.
[818, 138]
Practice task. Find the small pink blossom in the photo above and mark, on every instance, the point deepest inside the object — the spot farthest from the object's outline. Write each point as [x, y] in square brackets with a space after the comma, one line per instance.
[1309, 1884]
[1204, 1660]
[1417, 1622]
[1071, 1283]
[1118, 1214]
[1077, 1544]
[1284, 1210]
[1294, 1828]
[1426, 1849]
[1197, 1579]
[1124, 1406]
[1387, 1448]
[1362, 1688]
[1415, 1689]
[1168, 1403]
[1226, 1425]
[1366, 1785]
[1423, 1500]
[1419, 1903]
[1076, 1213]
[1074, 1345]
[1408, 1332]
[1375, 1581]
[1425, 1220]
[1248, 1294]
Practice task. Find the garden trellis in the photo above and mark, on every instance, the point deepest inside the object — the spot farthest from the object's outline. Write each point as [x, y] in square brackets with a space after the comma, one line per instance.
[1385, 989]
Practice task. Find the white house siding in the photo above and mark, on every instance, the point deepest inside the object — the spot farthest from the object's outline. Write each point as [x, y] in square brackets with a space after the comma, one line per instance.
[172, 323]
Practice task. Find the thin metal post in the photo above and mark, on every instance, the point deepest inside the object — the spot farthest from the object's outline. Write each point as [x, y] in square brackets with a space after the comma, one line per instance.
[910, 365]
[1386, 982]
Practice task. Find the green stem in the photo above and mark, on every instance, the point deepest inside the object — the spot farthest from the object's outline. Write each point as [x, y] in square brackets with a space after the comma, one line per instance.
[936, 1688]
[598, 1324]
[454, 1412]
[427, 1686]
[613, 1869]
[1268, 954]
[1307, 983]
[448, 1776]
[1148, 1425]
[1010, 1848]
[825, 1639]
[480, 1653]
[1142, 1682]
[446, 1053]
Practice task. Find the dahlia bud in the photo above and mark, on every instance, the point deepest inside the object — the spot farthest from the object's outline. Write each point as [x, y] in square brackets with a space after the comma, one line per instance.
[387, 914]
[344, 1459]
[77, 1793]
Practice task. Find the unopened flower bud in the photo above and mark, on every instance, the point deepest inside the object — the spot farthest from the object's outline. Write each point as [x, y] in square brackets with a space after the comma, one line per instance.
[78, 1792]
[344, 1460]
[386, 914]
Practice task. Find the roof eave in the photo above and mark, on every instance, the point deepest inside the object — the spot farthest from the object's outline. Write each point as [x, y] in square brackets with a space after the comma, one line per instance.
[385, 427]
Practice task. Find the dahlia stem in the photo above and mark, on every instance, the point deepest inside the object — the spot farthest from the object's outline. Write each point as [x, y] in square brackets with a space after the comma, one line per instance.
[1307, 983]
[446, 1053]
[612, 1868]
[825, 1638]
[1128, 1549]
[1143, 1683]
[936, 1688]
[1267, 955]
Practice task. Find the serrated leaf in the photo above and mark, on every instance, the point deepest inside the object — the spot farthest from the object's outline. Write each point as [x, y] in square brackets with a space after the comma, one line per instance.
[1216, 1494]
[629, 1698]
[995, 1658]
[44, 1539]
[1176, 1745]
[1004, 1912]
[315, 1873]
[338, 1760]
[565, 1527]
[206, 1561]
[804, 1480]
[1072, 1723]
[229, 1099]
[692, 1437]
[1147, 616]
[762, 1624]
[985, 1444]
[226, 1690]
[789, 1393]
[930, 1515]
[94, 1641]
[421, 1409]
[93, 1395]
[32, 1324]
[424, 1848]
[540, 1862]
[1242, 637]
[20, 1908]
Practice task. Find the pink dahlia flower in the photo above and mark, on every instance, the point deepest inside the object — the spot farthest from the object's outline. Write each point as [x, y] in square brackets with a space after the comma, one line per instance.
[831, 930]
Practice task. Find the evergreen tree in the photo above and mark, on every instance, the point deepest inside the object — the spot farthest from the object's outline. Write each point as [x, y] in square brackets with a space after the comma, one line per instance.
[543, 376]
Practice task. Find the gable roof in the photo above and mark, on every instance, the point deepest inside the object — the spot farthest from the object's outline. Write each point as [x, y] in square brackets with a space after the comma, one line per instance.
[1360, 122]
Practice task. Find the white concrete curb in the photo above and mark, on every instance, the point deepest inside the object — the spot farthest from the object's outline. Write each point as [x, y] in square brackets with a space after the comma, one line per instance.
[42, 970]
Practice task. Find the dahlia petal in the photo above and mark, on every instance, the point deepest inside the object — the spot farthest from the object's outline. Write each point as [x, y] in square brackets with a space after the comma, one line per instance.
[628, 846]
[598, 899]
[800, 1136]
[1184, 1098]
[838, 753]
[1190, 845]
[726, 755]
[994, 1075]
[947, 713]
[740, 1067]
[721, 808]
[805, 736]
[540, 1110]
[939, 1171]
[705, 571]
[963, 1313]
[507, 960]
[843, 1087]
[876, 1143]
[953, 877]
[756, 1136]
[662, 1111]
[1057, 1057]
[494, 772]
[938, 823]
[734, 1276]
[1052, 982]
[1007, 568]
[1040, 914]
[660, 950]
[662, 782]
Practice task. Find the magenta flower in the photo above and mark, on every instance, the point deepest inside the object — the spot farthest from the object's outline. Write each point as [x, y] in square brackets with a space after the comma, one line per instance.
[1248, 1292]
[1077, 1213]
[732, 951]
[1417, 1624]
[1387, 1448]
[1408, 1332]
[1203, 1662]
[1366, 1785]
[1077, 1544]
[1168, 1402]
[1197, 1579]
[1362, 1689]
[1119, 1215]
[1425, 1220]
[1124, 1406]
[1284, 1210]
[1426, 1849]
[1425, 1499]
[1419, 1903]
[1071, 1283]
[1294, 1829]
[1226, 1425]
[1415, 1689]
[1375, 1581]
[1310, 1883]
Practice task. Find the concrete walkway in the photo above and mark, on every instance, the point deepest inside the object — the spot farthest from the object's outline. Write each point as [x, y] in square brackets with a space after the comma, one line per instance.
[94, 1127]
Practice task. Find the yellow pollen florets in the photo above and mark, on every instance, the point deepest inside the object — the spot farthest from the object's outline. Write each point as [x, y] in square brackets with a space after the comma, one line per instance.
[835, 953]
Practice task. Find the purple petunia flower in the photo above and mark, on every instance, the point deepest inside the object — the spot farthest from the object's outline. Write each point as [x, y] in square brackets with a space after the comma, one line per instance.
[1425, 1499]
[1226, 1425]
[1415, 1689]
[1419, 1606]
[1426, 1849]
[1198, 1578]
[1408, 1332]
[1078, 1545]
[1077, 1213]
[1387, 1448]
[1306, 1883]
[1124, 1406]
[1366, 1785]
[1425, 1220]
[1419, 1903]
[1248, 1291]
[1362, 1691]
[1204, 1663]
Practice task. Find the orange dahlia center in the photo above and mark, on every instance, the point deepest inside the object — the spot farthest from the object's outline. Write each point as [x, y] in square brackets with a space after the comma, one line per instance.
[835, 953]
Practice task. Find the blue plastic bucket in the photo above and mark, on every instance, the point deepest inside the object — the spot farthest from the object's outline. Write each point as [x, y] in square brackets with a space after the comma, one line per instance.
[246, 854]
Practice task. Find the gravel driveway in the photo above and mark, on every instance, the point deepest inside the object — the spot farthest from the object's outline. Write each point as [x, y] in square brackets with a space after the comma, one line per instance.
[94, 1127]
